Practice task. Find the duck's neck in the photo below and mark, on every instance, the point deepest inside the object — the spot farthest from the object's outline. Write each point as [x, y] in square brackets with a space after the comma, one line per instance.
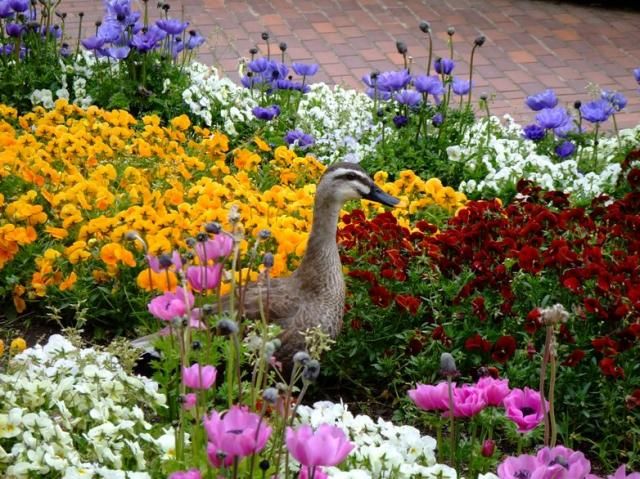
[321, 260]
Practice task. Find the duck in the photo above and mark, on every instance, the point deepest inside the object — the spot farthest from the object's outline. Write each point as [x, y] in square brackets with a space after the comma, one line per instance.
[314, 294]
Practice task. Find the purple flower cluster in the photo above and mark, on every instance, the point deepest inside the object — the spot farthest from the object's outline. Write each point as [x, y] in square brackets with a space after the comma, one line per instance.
[123, 30]
[273, 75]
[298, 137]
[396, 85]
[550, 116]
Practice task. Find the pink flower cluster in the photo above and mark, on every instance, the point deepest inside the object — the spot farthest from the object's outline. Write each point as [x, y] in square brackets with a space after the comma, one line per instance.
[522, 406]
[554, 463]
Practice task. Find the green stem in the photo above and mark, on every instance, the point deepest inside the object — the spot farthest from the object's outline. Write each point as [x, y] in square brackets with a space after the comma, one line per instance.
[595, 148]
[552, 413]
[452, 435]
[615, 127]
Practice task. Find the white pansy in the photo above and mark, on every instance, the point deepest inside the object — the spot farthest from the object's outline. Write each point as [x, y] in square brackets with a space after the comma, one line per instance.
[488, 475]
[79, 472]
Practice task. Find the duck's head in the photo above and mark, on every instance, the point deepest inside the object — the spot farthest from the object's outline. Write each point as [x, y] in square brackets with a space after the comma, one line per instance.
[348, 181]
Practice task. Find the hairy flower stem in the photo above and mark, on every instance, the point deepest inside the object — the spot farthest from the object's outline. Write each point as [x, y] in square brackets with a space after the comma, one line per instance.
[595, 148]
[79, 35]
[429, 58]
[552, 387]
[473, 51]
[615, 128]
[543, 376]
[452, 432]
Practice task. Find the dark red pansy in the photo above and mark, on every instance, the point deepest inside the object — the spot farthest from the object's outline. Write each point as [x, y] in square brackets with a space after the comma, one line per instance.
[529, 259]
[408, 302]
[634, 178]
[533, 321]
[363, 275]
[574, 358]
[633, 400]
[439, 334]
[416, 343]
[380, 296]
[605, 346]
[565, 335]
[503, 349]
[477, 344]
[479, 310]
[609, 368]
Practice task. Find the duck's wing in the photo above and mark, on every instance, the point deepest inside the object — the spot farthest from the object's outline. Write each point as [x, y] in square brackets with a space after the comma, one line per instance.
[279, 302]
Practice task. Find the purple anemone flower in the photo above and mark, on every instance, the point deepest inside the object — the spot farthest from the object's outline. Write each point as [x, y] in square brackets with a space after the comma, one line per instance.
[378, 94]
[5, 9]
[551, 118]
[194, 40]
[596, 111]
[19, 5]
[460, 87]
[393, 80]
[546, 99]
[437, 119]
[400, 121]
[636, 74]
[118, 53]
[533, 132]
[118, 8]
[411, 98]
[565, 149]
[14, 29]
[266, 113]
[93, 43]
[444, 66]
[172, 26]
[303, 140]
[65, 50]
[146, 41]
[110, 31]
[431, 85]
[305, 70]
[617, 100]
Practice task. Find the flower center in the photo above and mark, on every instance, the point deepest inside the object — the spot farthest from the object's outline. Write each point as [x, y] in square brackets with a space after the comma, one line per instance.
[522, 474]
[527, 411]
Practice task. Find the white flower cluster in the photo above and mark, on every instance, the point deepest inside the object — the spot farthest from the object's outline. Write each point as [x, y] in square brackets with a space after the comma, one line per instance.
[383, 450]
[503, 157]
[210, 94]
[341, 121]
[73, 413]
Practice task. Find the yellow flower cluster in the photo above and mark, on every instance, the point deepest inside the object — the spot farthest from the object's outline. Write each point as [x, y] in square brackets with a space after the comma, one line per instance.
[79, 180]
[16, 346]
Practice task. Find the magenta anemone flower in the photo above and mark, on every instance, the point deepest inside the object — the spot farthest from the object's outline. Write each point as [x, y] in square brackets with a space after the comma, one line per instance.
[431, 398]
[190, 474]
[318, 473]
[468, 401]
[237, 433]
[327, 446]
[171, 304]
[189, 401]
[220, 246]
[199, 377]
[204, 277]
[574, 462]
[621, 473]
[495, 390]
[524, 408]
[518, 467]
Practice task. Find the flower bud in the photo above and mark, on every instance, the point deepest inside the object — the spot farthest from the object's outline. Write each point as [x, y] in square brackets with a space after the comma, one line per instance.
[165, 261]
[451, 31]
[253, 51]
[301, 358]
[270, 395]
[401, 47]
[577, 104]
[448, 365]
[283, 46]
[425, 27]
[131, 235]
[265, 36]
[213, 227]
[268, 260]
[264, 465]
[484, 96]
[202, 237]
[276, 343]
[479, 41]
[227, 327]
[191, 242]
[488, 447]
[264, 234]
[196, 345]
[234, 214]
[311, 371]
[207, 308]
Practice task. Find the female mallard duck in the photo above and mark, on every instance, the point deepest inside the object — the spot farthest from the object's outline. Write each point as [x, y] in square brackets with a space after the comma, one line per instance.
[313, 295]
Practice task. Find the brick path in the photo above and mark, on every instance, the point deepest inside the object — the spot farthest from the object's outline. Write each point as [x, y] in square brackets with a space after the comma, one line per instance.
[531, 45]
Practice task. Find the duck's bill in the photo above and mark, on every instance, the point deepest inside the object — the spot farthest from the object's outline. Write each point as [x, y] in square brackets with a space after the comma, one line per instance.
[380, 196]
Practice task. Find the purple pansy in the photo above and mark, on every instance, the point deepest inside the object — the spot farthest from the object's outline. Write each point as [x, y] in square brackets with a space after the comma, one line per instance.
[266, 113]
[303, 140]
[546, 99]
[533, 132]
[596, 111]
[444, 66]
[551, 118]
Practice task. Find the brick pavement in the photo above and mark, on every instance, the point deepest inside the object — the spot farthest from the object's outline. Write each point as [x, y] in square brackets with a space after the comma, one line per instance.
[531, 44]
